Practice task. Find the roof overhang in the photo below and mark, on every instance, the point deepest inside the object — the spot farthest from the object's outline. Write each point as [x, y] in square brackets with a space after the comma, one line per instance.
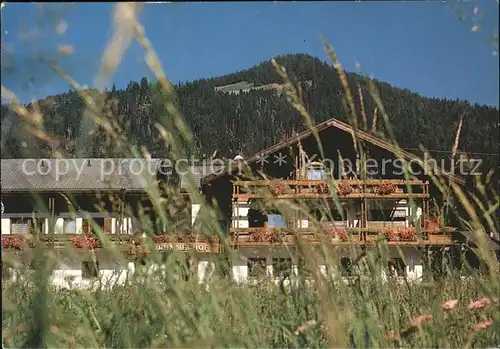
[333, 123]
[470, 237]
[80, 191]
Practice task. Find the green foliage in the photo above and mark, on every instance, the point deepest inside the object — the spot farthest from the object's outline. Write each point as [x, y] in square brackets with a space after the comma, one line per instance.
[161, 313]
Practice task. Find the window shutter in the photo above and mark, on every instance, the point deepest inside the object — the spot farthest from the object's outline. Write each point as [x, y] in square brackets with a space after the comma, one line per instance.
[107, 225]
[85, 226]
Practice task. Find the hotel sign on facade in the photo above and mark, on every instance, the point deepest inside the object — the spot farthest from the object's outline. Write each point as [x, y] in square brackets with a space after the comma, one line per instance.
[200, 247]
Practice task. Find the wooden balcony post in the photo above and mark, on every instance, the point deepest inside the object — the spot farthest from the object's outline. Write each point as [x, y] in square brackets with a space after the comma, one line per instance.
[107, 225]
[85, 226]
[237, 213]
[427, 204]
[122, 202]
[364, 218]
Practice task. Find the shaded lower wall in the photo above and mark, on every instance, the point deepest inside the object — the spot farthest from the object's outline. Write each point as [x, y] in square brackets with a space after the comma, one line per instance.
[412, 257]
[70, 270]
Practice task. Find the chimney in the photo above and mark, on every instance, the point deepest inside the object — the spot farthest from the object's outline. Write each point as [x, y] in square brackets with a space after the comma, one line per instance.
[240, 162]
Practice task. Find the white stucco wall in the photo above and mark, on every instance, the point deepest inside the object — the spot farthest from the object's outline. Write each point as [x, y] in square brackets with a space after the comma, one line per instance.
[127, 226]
[195, 210]
[69, 272]
[303, 223]
[79, 223]
[73, 278]
[205, 270]
[59, 226]
[240, 215]
[240, 268]
[124, 228]
[5, 226]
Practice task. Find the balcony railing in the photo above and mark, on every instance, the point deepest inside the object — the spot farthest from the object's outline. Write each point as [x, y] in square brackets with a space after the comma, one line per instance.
[340, 236]
[344, 189]
[185, 243]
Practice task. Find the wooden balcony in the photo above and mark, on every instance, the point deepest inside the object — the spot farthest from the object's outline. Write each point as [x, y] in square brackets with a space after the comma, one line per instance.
[55, 240]
[261, 237]
[318, 189]
[124, 242]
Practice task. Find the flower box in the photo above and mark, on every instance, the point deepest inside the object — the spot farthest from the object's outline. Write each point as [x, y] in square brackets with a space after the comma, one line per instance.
[278, 188]
[386, 189]
[13, 242]
[322, 189]
[344, 189]
[400, 234]
[81, 242]
[339, 234]
[265, 235]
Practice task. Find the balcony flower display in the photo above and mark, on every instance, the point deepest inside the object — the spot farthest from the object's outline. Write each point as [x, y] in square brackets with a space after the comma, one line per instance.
[13, 242]
[386, 188]
[262, 235]
[160, 239]
[401, 234]
[278, 188]
[390, 234]
[344, 189]
[277, 237]
[84, 242]
[407, 234]
[338, 234]
[322, 188]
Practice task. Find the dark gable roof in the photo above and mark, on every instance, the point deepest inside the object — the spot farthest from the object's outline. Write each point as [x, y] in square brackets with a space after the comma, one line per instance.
[472, 237]
[323, 126]
[87, 174]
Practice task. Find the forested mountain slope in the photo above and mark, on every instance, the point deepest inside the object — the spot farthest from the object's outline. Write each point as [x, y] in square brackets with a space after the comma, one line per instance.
[255, 117]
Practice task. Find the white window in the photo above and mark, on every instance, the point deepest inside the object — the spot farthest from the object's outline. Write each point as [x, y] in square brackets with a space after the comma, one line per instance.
[123, 226]
[70, 226]
[20, 225]
[316, 171]
[276, 221]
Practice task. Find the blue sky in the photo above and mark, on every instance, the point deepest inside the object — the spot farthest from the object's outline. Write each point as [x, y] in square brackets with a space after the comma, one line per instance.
[422, 46]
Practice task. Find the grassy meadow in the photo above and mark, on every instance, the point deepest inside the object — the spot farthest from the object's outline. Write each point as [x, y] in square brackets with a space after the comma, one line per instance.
[159, 312]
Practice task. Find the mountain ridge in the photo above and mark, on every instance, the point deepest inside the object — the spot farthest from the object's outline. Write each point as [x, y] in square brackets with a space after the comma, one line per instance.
[256, 116]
